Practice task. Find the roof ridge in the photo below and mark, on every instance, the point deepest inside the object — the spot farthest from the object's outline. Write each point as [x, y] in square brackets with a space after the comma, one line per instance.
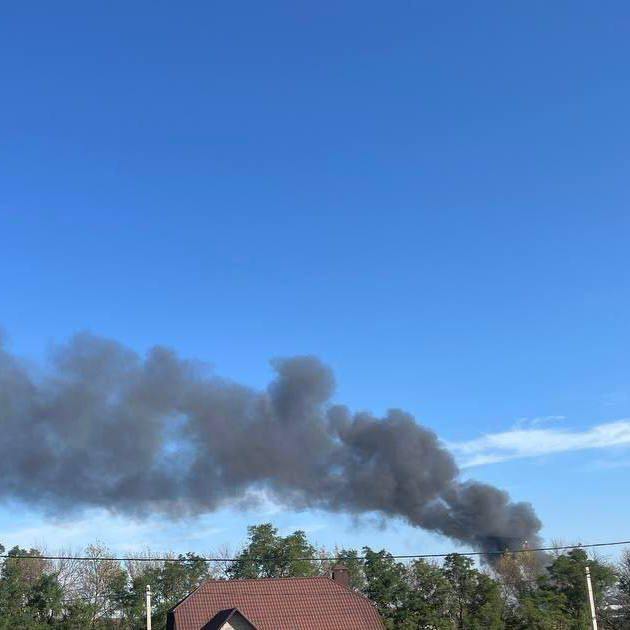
[344, 587]
[241, 580]
[270, 579]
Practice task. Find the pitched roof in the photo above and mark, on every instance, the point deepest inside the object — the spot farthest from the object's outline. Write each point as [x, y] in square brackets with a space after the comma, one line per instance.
[316, 603]
[221, 618]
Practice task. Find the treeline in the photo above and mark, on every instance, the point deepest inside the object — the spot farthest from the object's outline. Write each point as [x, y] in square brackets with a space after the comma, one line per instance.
[521, 591]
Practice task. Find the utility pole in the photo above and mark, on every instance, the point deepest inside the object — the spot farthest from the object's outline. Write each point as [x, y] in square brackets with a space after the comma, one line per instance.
[148, 607]
[591, 601]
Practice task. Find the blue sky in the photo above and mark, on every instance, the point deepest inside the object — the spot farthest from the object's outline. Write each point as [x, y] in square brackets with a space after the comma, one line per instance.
[432, 197]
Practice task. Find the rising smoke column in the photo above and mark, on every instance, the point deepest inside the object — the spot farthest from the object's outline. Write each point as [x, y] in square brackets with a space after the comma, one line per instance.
[105, 427]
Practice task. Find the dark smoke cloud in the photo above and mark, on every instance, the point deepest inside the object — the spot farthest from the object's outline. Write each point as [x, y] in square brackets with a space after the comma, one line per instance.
[105, 427]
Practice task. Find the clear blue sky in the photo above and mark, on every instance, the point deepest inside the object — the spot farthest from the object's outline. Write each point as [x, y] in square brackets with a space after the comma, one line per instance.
[432, 197]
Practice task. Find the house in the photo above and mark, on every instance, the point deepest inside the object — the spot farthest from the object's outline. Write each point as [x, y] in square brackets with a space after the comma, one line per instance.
[315, 603]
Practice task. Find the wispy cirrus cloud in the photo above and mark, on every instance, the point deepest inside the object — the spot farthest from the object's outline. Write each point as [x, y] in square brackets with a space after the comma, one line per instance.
[523, 423]
[532, 441]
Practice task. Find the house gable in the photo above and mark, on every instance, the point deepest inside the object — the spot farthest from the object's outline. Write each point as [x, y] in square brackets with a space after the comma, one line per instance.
[231, 619]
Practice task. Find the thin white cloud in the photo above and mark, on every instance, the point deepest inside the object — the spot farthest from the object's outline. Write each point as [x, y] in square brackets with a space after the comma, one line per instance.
[534, 442]
[523, 423]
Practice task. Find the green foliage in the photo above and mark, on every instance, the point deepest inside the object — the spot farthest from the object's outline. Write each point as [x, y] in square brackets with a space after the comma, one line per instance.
[270, 555]
[386, 586]
[455, 595]
[474, 598]
[566, 579]
[540, 609]
[173, 582]
[79, 614]
[429, 596]
[29, 596]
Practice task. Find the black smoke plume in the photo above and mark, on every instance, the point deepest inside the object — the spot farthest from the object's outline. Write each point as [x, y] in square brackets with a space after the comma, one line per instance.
[105, 427]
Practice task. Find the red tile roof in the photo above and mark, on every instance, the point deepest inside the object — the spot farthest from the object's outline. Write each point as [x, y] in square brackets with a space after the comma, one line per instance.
[316, 603]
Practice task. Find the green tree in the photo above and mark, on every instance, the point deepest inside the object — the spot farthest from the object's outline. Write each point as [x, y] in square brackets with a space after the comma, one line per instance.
[45, 598]
[78, 614]
[558, 599]
[475, 600]
[566, 577]
[540, 608]
[428, 597]
[30, 597]
[268, 554]
[174, 581]
[387, 587]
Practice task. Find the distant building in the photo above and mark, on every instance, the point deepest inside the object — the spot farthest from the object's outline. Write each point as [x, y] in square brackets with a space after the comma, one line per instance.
[317, 603]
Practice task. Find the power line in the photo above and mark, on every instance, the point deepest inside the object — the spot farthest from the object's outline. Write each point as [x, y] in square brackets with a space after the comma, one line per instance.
[313, 559]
